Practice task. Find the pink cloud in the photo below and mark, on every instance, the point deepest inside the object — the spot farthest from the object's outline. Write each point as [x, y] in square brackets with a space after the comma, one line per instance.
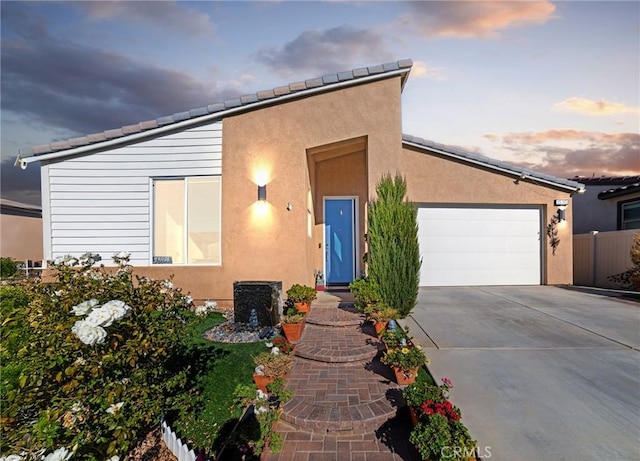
[588, 153]
[165, 14]
[474, 19]
[590, 107]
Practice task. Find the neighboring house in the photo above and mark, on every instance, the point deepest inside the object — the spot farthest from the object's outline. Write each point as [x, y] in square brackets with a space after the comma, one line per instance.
[20, 231]
[274, 186]
[608, 204]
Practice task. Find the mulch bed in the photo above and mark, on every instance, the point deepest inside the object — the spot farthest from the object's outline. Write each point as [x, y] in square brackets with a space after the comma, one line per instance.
[151, 448]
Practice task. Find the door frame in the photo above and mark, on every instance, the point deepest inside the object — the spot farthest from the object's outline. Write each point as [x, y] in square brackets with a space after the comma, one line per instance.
[356, 232]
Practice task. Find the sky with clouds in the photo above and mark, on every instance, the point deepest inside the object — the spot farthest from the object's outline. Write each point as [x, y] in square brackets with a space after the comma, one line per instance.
[552, 86]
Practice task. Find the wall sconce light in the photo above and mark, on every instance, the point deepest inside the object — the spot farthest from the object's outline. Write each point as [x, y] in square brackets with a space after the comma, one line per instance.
[262, 193]
[562, 206]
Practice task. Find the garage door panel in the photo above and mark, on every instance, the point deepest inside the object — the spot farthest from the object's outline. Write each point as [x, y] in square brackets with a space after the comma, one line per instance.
[480, 278]
[479, 246]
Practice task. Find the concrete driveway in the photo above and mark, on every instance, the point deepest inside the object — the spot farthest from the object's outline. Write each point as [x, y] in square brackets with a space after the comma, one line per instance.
[540, 373]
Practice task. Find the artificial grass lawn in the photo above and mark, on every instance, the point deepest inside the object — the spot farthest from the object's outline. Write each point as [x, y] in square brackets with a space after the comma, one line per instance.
[222, 368]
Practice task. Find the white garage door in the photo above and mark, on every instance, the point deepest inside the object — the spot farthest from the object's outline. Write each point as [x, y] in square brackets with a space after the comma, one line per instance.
[479, 246]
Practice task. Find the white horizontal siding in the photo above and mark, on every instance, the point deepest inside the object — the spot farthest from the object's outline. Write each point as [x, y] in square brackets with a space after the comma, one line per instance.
[89, 209]
[122, 241]
[97, 225]
[89, 218]
[188, 151]
[101, 202]
[101, 195]
[80, 201]
[108, 188]
[113, 165]
[106, 180]
[124, 231]
[154, 172]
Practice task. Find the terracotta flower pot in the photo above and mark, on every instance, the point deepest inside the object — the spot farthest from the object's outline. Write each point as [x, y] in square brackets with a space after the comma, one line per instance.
[404, 377]
[413, 416]
[293, 331]
[303, 307]
[262, 381]
[379, 326]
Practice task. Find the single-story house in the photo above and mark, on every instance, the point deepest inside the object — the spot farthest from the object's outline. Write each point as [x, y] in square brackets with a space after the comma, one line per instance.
[21, 231]
[274, 186]
[610, 203]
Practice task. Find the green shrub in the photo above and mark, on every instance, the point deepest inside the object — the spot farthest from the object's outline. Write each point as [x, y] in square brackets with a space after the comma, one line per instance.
[394, 254]
[8, 267]
[13, 300]
[301, 293]
[100, 359]
[365, 292]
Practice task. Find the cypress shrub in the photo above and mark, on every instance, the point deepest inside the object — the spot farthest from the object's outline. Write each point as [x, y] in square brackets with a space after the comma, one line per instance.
[394, 254]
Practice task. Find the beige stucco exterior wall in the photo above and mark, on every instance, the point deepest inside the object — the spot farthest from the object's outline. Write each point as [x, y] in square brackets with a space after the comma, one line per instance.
[21, 237]
[432, 178]
[268, 241]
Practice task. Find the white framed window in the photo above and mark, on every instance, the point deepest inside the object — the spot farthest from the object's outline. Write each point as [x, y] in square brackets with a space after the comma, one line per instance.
[630, 215]
[187, 220]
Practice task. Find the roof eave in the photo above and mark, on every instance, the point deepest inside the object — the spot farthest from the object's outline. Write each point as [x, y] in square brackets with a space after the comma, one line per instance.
[516, 172]
[609, 194]
[123, 140]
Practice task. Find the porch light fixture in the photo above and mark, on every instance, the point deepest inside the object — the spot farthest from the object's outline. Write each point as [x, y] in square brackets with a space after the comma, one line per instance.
[562, 206]
[262, 193]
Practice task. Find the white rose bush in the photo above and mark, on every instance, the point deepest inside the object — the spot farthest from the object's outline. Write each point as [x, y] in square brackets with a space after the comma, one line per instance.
[90, 361]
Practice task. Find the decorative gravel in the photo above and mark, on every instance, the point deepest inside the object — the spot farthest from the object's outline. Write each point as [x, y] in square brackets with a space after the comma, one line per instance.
[232, 332]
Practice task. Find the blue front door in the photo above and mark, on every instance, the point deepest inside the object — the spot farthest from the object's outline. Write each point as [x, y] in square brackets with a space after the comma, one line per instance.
[339, 238]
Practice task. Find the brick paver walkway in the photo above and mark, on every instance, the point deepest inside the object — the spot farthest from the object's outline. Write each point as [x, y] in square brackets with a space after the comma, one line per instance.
[346, 404]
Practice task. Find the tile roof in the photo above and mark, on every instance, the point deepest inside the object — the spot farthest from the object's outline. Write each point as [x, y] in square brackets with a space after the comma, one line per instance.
[607, 180]
[619, 191]
[488, 162]
[245, 101]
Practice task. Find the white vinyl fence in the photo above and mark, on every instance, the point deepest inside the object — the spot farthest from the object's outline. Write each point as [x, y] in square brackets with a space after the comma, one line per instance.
[175, 445]
[599, 254]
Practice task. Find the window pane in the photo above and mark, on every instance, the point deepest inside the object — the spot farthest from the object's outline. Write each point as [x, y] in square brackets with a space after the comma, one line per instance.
[631, 215]
[169, 222]
[203, 232]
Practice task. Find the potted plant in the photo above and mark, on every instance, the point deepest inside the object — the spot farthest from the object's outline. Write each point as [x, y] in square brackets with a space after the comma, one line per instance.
[380, 314]
[395, 336]
[418, 392]
[405, 362]
[283, 345]
[302, 295]
[365, 292]
[255, 435]
[269, 366]
[292, 324]
[437, 426]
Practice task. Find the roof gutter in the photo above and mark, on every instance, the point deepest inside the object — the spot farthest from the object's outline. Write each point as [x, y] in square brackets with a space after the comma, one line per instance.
[24, 162]
[523, 174]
